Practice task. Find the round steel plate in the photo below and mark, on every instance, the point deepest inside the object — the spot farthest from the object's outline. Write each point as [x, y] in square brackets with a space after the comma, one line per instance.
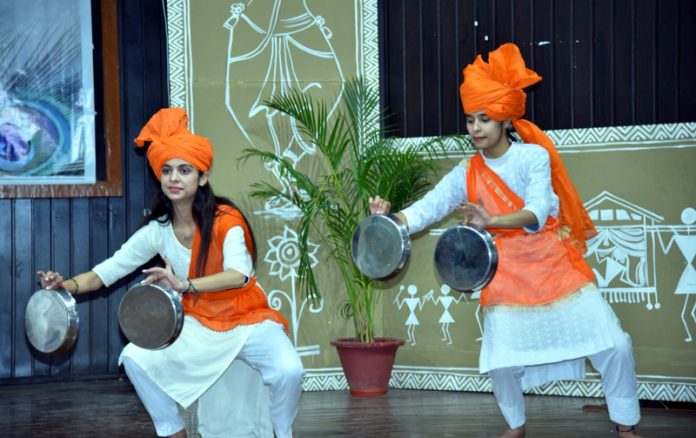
[466, 257]
[51, 321]
[380, 246]
[150, 316]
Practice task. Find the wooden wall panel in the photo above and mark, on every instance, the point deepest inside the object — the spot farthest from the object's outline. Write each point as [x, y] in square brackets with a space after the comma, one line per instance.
[450, 41]
[391, 62]
[413, 67]
[430, 36]
[71, 235]
[562, 66]
[624, 66]
[41, 238]
[667, 34]
[686, 58]
[603, 67]
[645, 62]
[7, 291]
[603, 63]
[23, 281]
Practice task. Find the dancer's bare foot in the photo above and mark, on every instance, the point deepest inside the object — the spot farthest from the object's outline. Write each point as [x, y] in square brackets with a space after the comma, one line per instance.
[626, 431]
[514, 433]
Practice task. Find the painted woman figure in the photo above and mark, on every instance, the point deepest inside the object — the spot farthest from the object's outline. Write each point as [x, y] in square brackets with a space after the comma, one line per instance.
[543, 313]
[293, 49]
[209, 253]
[446, 318]
[413, 303]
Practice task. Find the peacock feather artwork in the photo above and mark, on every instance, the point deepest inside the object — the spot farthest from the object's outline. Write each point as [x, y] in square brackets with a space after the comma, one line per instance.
[46, 92]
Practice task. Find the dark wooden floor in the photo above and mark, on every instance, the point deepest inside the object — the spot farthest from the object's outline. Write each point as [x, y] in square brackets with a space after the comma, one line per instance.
[110, 408]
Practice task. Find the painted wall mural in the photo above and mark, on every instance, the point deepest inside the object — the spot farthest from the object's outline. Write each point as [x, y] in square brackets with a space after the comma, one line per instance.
[270, 48]
[284, 47]
[227, 57]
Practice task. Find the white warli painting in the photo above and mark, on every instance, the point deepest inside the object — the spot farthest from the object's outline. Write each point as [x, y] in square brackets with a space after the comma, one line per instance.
[442, 300]
[280, 43]
[682, 237]
[622, 255]
[284, 258]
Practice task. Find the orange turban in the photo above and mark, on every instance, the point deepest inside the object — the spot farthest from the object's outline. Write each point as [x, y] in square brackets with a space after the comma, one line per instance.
[496, 88]
[170, 138]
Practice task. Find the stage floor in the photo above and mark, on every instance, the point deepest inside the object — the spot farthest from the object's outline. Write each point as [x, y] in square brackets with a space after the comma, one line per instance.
[110, 408]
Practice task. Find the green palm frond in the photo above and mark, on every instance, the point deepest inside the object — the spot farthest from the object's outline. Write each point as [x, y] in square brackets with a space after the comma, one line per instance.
[355, 161]
[312, 120]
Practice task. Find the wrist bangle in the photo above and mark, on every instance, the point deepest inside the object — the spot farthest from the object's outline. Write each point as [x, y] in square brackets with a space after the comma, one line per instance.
[77, 285]
[191, 286]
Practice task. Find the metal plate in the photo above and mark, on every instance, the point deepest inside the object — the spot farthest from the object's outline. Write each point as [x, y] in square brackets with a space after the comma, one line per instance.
[466, 257]
[151, 316]
[380, 246]
[51, 322]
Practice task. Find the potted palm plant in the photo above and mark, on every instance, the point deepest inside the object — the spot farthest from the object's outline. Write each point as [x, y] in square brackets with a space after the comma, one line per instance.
[355, 160]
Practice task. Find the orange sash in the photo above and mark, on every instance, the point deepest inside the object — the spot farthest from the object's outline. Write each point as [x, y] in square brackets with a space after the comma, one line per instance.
[224, 310]
[533, 268]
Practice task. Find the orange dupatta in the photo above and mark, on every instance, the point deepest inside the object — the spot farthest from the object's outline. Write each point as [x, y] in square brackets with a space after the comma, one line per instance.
[533, 269]
[224, 310]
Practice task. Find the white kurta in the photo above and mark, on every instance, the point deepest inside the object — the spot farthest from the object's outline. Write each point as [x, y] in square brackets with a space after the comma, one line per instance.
[199, 356]
[556, 336]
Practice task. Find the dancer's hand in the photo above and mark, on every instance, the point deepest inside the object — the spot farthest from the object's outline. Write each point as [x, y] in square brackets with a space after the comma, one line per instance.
[164, 277]
[50, 279]
[475, 214]
[379, 205]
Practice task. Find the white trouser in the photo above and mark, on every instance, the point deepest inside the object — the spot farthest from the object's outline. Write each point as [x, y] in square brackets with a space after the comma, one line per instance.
[616, 366]
[267, 350]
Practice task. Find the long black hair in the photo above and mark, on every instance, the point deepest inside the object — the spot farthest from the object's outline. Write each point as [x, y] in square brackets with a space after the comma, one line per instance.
[204, 210]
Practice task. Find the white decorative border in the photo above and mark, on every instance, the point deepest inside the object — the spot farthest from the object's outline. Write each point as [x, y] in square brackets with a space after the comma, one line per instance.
[609, 139]
[625, 138]
[368, 48]
[178, 49]
[466, 379]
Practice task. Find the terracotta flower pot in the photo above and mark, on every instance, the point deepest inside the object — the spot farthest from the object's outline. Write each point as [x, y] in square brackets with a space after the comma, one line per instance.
[367, 366]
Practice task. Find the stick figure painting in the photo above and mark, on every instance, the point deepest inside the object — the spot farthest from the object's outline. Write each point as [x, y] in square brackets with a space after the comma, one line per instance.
[684, 237]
